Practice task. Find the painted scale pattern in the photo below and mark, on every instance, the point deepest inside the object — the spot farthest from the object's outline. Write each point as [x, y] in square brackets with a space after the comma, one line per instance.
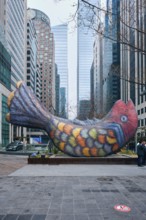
[83, 142]
[105, 137]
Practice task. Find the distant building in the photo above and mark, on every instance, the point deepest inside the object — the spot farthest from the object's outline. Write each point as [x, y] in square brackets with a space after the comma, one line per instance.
[133, 58]
[107, 61]
[84, 109]
[85, 42]
[61, 59]
[45, 56]
[57, 88]
[92, 89]
[62, 109]
[31, 55]
[5, 87]
[98, 69]
[13, 22]
[113, 78]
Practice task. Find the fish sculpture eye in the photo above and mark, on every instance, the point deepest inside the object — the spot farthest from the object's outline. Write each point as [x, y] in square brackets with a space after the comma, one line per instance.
[124, 118]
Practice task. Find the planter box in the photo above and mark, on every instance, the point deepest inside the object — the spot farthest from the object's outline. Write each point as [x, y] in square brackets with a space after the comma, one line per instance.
[82, 160]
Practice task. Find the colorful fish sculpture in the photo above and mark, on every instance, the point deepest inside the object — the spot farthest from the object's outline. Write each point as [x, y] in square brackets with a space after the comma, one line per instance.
[98, 138]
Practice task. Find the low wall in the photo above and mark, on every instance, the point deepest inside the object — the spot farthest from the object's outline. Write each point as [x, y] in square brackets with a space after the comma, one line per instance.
[81, 160]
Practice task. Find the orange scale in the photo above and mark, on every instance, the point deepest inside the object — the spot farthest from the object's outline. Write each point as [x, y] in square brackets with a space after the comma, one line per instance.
[86, 152]
[115, 147]
[94, 151]
[68, 129]
[101, 138]
[61, 146]
[111, 133]
[80, 141]
[61, 126]
[76, 132]
[51, 134]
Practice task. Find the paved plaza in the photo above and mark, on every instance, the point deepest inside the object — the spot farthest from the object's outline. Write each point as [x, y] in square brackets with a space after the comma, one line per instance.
[70, 192]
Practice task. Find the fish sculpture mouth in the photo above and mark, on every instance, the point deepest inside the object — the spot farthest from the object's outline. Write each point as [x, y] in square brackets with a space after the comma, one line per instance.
[98, 138]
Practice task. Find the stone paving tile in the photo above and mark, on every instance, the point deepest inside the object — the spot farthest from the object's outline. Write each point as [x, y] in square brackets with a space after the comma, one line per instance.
[67, 217]
[10, 217]
[25, 217]
[93, 198]
[53, 217]
[81, 217]
[39, 217]
[9, 164]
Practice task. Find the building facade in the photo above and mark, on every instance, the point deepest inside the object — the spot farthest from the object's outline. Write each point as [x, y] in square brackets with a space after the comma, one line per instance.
[106, 52]
[133, 57]
[5, 88]
[61, 59]
[85, 40]
[57, 88]
[31, 56]
[13, 24]
[46, 59]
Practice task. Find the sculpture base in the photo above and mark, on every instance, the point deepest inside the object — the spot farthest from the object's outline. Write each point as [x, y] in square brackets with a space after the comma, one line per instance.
[82, 160]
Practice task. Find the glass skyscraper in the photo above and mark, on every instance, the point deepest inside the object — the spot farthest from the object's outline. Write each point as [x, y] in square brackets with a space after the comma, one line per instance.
[85, 42]
[13, 24]
[61, 52]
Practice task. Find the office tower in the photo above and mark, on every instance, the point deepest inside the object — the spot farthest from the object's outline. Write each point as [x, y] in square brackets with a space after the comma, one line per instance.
[13, 20]
[57, 88]
[85, 108]
[114, 74]
[111, 56]
[13, 23]
[85, 42]
[98, 76]
[61, 59]
[5, 87]
[45, 56]
[31, 55]
[62, 102]
[107, 60]
[92, 89]
[133, 57]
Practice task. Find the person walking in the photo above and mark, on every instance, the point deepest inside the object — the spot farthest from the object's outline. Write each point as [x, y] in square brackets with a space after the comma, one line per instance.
[24, 145]
[141, 153]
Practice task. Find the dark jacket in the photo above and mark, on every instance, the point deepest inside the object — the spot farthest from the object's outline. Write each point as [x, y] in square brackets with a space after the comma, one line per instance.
[141, 150]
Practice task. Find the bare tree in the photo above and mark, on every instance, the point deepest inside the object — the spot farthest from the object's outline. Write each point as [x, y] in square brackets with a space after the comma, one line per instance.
[123, 20]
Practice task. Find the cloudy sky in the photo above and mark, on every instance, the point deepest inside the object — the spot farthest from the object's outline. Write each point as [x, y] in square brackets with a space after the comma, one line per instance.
[57, 11]
[60, 12]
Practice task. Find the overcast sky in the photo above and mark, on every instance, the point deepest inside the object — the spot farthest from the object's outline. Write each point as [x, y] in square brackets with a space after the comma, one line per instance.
[57, 11]
[60, 12]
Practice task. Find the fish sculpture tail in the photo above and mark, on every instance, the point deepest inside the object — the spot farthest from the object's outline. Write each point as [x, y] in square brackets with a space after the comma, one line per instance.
[25, 109]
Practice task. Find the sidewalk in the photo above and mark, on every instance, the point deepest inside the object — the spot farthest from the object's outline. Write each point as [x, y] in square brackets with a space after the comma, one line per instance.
[70, 192]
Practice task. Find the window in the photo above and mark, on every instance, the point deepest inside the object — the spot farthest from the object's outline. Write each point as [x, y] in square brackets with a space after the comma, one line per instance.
[141, 122]
[5, 125]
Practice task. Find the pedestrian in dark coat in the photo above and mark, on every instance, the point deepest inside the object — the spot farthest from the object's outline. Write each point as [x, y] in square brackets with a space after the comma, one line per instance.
[141, 153]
